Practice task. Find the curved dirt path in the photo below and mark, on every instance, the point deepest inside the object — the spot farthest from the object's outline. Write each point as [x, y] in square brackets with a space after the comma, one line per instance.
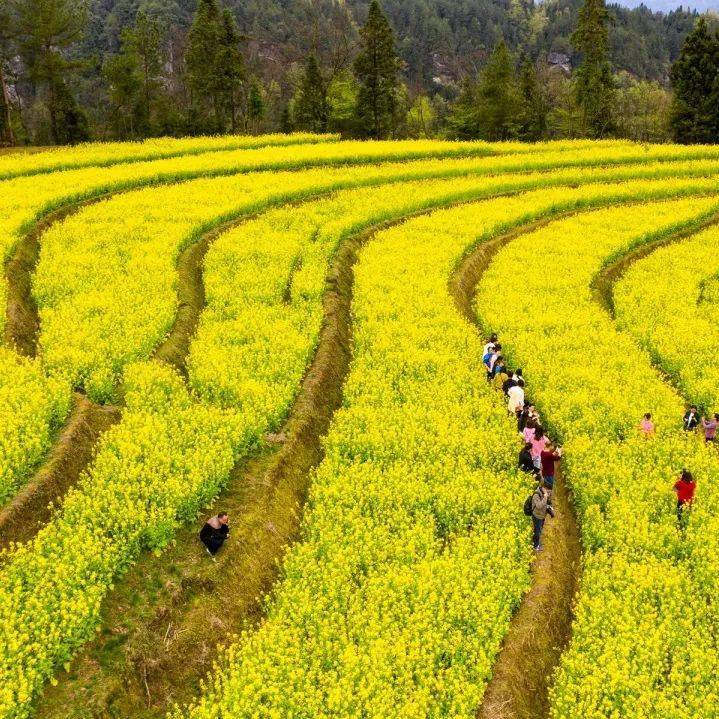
[603, 284]
[159, 639]
[541, 627]
[30, 509]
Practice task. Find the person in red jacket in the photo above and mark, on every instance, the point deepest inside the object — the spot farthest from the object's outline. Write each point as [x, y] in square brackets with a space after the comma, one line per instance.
[549, 457]
[685, 487]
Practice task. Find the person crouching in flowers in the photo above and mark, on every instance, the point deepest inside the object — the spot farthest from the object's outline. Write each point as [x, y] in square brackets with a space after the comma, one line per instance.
[215, 532]
[685, 487]
[691, 419]
[541, 507]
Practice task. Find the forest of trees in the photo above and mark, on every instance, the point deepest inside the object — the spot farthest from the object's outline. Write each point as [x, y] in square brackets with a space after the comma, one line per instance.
[494, 69]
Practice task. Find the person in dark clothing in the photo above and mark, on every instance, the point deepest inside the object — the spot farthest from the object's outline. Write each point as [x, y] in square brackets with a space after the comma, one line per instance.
[215, 532]
[691, 419]
[525, 460]
[508, 384]
[541, 507]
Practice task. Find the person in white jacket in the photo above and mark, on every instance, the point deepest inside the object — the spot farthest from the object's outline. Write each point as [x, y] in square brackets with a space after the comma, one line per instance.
[515, 395]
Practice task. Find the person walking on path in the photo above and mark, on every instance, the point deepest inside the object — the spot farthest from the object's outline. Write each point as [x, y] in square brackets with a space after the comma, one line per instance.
[526, 418]
[549, 457]
[710, 428]
[525, 460]
[685, 488]
[646, 426]
[515, 397]
[489, 347]
[539, 441]
[691, 419]
[215, 532]
[540, 509]
[490, 356]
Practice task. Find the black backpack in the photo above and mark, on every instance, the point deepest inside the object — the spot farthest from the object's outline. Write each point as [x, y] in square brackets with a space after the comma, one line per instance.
[528, 506]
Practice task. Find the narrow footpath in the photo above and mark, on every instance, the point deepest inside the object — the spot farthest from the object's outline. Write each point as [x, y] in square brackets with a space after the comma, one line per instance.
[541, 627]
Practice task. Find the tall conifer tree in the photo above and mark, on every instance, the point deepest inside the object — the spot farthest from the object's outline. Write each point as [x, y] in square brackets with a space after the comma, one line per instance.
[311, 110]
[594, 82]
[203, 41]
[498, 97]
[230, 68]
[695, 76]
[377, 68]
[45, 29]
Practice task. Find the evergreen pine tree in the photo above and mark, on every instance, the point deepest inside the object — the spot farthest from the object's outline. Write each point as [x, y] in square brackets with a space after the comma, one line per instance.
[45, 29]
[230, 68]
[122, 72]
[146, 40]
[376, 68]
[203, 42]
[464, 120]
[255, 107]
[498, 103]
[695, 77]
[311, 111]
[594, 82]
[533, 109]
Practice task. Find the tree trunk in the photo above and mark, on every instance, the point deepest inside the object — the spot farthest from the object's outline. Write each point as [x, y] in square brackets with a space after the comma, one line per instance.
[6, 134]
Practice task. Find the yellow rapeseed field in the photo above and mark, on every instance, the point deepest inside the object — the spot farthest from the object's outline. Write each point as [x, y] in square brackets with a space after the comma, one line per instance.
[414, 552]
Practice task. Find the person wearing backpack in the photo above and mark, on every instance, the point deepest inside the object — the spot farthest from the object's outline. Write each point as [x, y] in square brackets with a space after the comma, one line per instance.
[537, 507]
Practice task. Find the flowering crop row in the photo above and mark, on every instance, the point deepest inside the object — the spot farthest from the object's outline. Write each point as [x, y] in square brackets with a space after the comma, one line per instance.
[168, 456]
[644, 640]
[171, 454]
[231, 336]
[23, 199]
[670, 303]
[49, 609]
[396, 601]
[113, 153]
[33, 406]
[96, 316]
[26, 430]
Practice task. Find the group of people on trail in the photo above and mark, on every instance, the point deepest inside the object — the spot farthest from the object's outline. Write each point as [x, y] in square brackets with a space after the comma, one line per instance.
[538, 456]
[685, 487]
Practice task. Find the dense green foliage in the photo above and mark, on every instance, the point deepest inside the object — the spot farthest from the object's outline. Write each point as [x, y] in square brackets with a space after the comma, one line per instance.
[594, 83]
[695, 111]
[121, 69]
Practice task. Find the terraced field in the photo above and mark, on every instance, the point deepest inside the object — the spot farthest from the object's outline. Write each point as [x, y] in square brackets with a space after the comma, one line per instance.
[291, 328]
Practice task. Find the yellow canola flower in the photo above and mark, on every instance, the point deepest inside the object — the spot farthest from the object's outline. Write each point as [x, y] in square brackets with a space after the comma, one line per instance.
[105, 283]
[669, 301]
[106, 154]
[171, 454]
[404, 486]
[644, 641]
[32, 407]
